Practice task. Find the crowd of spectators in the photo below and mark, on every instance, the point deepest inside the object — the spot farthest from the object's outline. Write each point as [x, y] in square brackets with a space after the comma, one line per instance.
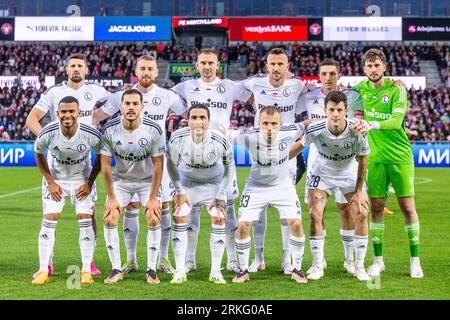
[402, 59]
[428, 118]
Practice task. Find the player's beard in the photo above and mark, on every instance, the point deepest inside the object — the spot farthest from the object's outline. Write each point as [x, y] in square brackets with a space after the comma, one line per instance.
[146, 82]
[76, 79]
[276, 76]
[68, 122]
[376, 79]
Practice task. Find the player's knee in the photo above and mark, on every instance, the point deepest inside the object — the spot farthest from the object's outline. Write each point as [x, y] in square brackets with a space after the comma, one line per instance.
[132, 206]
[152, 220]
[82, 216]
[316, 216]
[180, 220]
[111, 221]
[165, 205]
[243, 229]
[361, 216]
[51, 216]
[295, 224]
[217, 220]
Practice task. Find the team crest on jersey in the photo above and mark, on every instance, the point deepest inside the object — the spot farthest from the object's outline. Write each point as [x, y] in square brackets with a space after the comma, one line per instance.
[143, 142]
[156, 101]
[221, 89]
[286, 92]
[283, 146]
[211, 155]
[385, 99]
[81, 148]
[348, 145]
[88, 96]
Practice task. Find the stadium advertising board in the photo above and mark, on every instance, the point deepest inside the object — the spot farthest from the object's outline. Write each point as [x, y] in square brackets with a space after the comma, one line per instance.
[315, 29]
[268, 29]
[132, 28]
[426, 29]
[183, 71]
[362, 28]
[26, 81]
[7, 29]
[21, 154]
[54, 29]
[191, 22]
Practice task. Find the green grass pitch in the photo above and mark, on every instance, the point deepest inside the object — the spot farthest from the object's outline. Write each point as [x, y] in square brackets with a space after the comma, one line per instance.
[21, 216]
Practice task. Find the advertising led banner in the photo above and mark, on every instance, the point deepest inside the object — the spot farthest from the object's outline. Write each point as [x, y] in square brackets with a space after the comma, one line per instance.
[21, 154]
[26, 81]
[437, 29]
[315, 29]
[211, 22]
[7, 29]
[132, 28]
[268, 29]
[362, 28]
[54, 29]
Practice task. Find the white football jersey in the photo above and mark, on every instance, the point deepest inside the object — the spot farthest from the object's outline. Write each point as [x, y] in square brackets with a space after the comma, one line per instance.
[313, 103]
[285, 97]
[202, 162]
[157, 103]
[269, 161]
[88, 95]
[218, 96]
[336, 154]
[133, 151]
[68, 159]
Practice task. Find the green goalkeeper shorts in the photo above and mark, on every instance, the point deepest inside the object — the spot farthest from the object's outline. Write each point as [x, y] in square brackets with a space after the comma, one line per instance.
[380, 175]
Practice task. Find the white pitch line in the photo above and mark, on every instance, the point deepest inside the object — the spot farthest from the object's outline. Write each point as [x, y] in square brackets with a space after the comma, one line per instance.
[424, 180]
[12, 194]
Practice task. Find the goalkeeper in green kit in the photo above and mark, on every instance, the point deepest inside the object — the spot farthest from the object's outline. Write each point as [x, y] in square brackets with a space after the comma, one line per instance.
[390, 160]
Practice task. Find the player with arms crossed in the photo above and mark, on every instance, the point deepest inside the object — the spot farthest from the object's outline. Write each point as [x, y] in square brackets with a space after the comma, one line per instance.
[67, 174]
[138, 146]
[269, 183]
[88, 95]
[157, 103]
[335, 173]
[313, 103]
[201, 166]
[274, 89]
[391, 160]
[218, 96]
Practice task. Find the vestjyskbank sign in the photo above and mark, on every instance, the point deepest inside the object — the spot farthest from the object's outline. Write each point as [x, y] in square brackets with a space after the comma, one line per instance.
[362, 28]
[132, 28]
[211, 22]
[268, 29]
[54, 29]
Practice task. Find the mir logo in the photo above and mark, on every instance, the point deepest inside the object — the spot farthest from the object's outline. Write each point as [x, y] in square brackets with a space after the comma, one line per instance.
[11, 155]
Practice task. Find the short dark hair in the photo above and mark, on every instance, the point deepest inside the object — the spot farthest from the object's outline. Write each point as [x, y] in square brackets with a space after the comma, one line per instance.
[198, 106]
[336, 97]
[329, 62]
[270, 110]
[132, 91]
[207, 51]
[69, 99]
[372, 54]
[278, 51]
[79, 56]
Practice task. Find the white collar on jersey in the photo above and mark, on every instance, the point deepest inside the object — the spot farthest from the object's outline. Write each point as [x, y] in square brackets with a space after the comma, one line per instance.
[74, 136]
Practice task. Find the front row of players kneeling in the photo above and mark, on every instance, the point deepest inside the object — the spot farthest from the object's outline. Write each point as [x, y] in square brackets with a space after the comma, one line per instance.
[201, 167]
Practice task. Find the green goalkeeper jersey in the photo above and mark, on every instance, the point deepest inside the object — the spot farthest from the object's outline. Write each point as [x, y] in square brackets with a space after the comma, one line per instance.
[387, 146]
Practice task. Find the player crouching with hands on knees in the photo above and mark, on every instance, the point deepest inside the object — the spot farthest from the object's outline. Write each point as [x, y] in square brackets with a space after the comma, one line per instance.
[67, 173]
[138, 146]
[269, 183]
[336, 170]
[201, 166]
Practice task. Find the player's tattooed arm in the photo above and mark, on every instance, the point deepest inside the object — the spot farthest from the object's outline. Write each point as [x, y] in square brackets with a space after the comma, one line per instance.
[53, 188]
